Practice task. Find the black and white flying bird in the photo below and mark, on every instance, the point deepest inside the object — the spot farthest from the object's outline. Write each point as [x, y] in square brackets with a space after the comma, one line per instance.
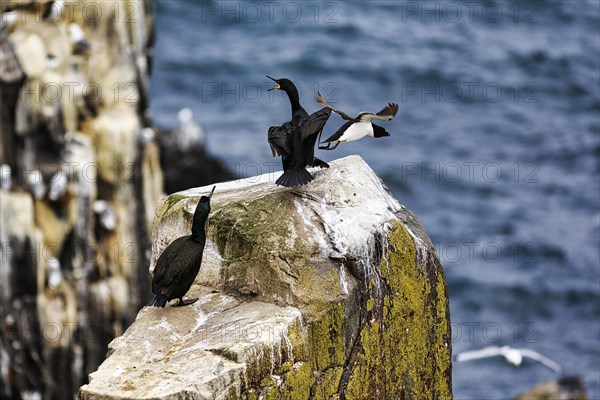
[358, 127]
[295, 140]
[512, 355]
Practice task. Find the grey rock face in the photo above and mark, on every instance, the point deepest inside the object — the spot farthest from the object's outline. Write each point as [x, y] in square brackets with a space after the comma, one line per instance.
[330, 290]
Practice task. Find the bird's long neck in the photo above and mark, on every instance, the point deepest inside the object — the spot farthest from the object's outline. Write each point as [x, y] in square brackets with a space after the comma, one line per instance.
[292, 93]
[198, 233]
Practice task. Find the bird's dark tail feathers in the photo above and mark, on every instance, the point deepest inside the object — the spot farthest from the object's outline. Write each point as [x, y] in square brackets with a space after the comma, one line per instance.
[159, 300]
[294, 177]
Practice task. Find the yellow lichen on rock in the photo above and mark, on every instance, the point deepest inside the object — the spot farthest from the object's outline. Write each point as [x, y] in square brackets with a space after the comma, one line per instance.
[407, 352]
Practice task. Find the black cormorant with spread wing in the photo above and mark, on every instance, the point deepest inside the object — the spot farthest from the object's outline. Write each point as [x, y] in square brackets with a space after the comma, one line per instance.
[295, 140]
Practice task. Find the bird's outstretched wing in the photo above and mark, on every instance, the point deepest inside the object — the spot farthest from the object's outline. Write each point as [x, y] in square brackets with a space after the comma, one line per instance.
[490, 351]
[338, 134]
[386, 114]
[313, 124]
[280, 138]
[542, 359]
[321, 100]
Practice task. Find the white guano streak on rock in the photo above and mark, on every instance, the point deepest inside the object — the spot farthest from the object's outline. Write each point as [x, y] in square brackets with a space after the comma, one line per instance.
[343, 280]
[419, 245]
[351, 222]
[164, 326]
[309, 222]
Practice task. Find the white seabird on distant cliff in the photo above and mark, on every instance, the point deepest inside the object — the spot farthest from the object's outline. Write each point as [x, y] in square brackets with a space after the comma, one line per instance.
[189, 132]
[58, 185]
[5, 177]
[54, 273]
[106, 214]
[78, 39]
[147, 135]
[53, 10]
[35, 183]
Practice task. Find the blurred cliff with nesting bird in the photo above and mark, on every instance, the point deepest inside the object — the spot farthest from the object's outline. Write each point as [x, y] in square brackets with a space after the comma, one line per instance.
[81, 176]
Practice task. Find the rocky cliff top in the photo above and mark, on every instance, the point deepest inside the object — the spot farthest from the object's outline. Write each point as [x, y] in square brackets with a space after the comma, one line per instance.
[298, 289]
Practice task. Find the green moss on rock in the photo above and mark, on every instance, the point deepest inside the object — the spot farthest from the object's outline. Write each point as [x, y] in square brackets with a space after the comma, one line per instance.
[168, 203]
[251, 243]
[266, 253]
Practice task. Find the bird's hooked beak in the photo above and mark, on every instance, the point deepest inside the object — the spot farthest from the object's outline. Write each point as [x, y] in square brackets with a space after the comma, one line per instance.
[211, 192]
[274, 80]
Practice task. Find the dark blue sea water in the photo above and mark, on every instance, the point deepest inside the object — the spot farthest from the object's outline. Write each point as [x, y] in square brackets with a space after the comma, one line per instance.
[496, 146]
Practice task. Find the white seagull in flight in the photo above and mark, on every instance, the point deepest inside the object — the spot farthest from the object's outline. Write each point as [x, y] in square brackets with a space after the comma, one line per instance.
[512, 355]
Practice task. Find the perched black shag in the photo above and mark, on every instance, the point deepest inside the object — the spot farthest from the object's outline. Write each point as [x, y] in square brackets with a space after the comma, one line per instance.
[358, 127]
[179, 263]
[295, 140]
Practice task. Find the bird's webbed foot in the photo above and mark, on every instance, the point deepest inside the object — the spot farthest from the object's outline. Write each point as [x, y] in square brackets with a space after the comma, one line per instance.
[183, 302]
[319, 163]
[328, 146]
